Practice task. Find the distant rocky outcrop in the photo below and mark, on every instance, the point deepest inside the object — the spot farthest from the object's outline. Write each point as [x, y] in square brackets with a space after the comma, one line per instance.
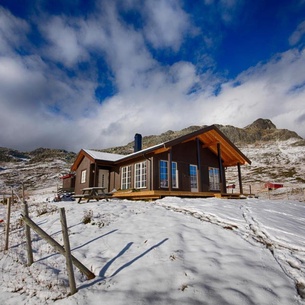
[37, 155]
[11, 155]
[45, 154]
[259, 130]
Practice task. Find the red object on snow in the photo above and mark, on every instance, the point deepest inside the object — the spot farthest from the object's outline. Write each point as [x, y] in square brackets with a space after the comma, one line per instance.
[67, 176]
[1, 220]
[271, 185]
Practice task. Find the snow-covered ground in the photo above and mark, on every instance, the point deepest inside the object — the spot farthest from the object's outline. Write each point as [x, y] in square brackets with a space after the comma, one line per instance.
[171, 251]
[278, 161]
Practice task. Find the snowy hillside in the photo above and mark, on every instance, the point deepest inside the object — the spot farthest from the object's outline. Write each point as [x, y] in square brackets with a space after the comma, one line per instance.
[172, 251]
[33, 175]
[274, 161]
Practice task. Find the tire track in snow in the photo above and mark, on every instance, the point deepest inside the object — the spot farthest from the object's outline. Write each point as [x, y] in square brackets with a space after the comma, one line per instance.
[287, 256]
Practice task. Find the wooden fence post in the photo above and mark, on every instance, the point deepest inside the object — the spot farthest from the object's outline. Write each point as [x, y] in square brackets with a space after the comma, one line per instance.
[23, 193]
[28, 236]
[69, 263]
[27, 230]
[8, 219]
[57, 246]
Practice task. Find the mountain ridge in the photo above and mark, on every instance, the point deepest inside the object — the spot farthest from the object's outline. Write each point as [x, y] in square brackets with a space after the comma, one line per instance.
[276, 155]
[260, 130]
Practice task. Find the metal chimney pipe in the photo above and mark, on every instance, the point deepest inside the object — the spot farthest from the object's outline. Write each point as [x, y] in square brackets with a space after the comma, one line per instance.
[137, 142]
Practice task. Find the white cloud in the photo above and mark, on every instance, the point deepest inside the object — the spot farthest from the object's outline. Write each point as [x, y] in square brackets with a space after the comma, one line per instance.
[297, 35]
[12, 31]
[65, 41]
[166, 23]
[275, 90]
[228, 10]
[124, 48]
[266, 90]
[55, 110]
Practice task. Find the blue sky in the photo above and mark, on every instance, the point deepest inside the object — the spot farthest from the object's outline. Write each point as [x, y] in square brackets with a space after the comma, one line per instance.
[90, 74]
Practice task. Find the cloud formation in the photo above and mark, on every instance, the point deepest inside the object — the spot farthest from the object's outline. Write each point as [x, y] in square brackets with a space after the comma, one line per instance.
[94, 80]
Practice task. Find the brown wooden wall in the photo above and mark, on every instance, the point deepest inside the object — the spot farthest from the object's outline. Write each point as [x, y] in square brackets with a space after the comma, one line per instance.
[84, 165]
[116, 173]
[185, 154]
[69, 183]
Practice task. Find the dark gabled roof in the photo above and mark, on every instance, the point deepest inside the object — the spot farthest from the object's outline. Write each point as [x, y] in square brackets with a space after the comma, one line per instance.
[102, 156]
[95, 155]
[209, 136]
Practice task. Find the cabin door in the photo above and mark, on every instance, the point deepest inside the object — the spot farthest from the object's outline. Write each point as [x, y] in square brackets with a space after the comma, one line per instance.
[103, 178]
[193, 178]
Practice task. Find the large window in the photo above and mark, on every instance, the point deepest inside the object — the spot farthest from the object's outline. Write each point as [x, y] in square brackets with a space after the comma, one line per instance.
[174, 175]
[214, 178]
[126, 177]
[83, 176]
[193, 178]
[140, 175]
[164, 174]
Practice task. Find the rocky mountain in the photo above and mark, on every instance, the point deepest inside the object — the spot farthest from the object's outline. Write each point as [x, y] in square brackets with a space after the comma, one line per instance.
[277, 155]
[37, 155]
[38, 168]
[262, 130]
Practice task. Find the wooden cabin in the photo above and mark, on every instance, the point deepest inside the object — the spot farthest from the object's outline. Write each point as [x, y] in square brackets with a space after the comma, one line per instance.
[68, 182]
[192, 165]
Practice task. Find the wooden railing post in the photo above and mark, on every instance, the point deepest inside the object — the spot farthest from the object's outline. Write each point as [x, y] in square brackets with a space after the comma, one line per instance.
[8, 219]
[68, 255]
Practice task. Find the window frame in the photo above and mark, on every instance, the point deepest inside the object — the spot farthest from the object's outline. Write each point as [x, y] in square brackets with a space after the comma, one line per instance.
[140, 175]
[163, 174]
[175, 176]
[193, 182]
[83, 176]
[214, 176]
[126, 177]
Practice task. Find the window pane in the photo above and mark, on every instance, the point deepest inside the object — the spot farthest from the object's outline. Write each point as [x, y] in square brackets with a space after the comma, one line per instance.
[193, 176]
[140, 175]
[83, 176]
[163, 174]
[214, 178]
[174, 175]
[126, 177]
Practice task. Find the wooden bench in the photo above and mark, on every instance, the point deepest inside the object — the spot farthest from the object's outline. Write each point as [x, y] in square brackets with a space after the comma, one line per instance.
[89, 193]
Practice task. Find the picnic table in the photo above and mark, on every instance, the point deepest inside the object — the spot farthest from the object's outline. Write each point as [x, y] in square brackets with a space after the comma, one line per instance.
[89, 193]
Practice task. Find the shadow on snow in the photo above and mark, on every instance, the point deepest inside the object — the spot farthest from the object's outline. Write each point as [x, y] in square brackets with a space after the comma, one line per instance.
[124, 250]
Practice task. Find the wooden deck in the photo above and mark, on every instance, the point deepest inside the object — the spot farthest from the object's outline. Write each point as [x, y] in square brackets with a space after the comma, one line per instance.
[230, 196]
[153, 195]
